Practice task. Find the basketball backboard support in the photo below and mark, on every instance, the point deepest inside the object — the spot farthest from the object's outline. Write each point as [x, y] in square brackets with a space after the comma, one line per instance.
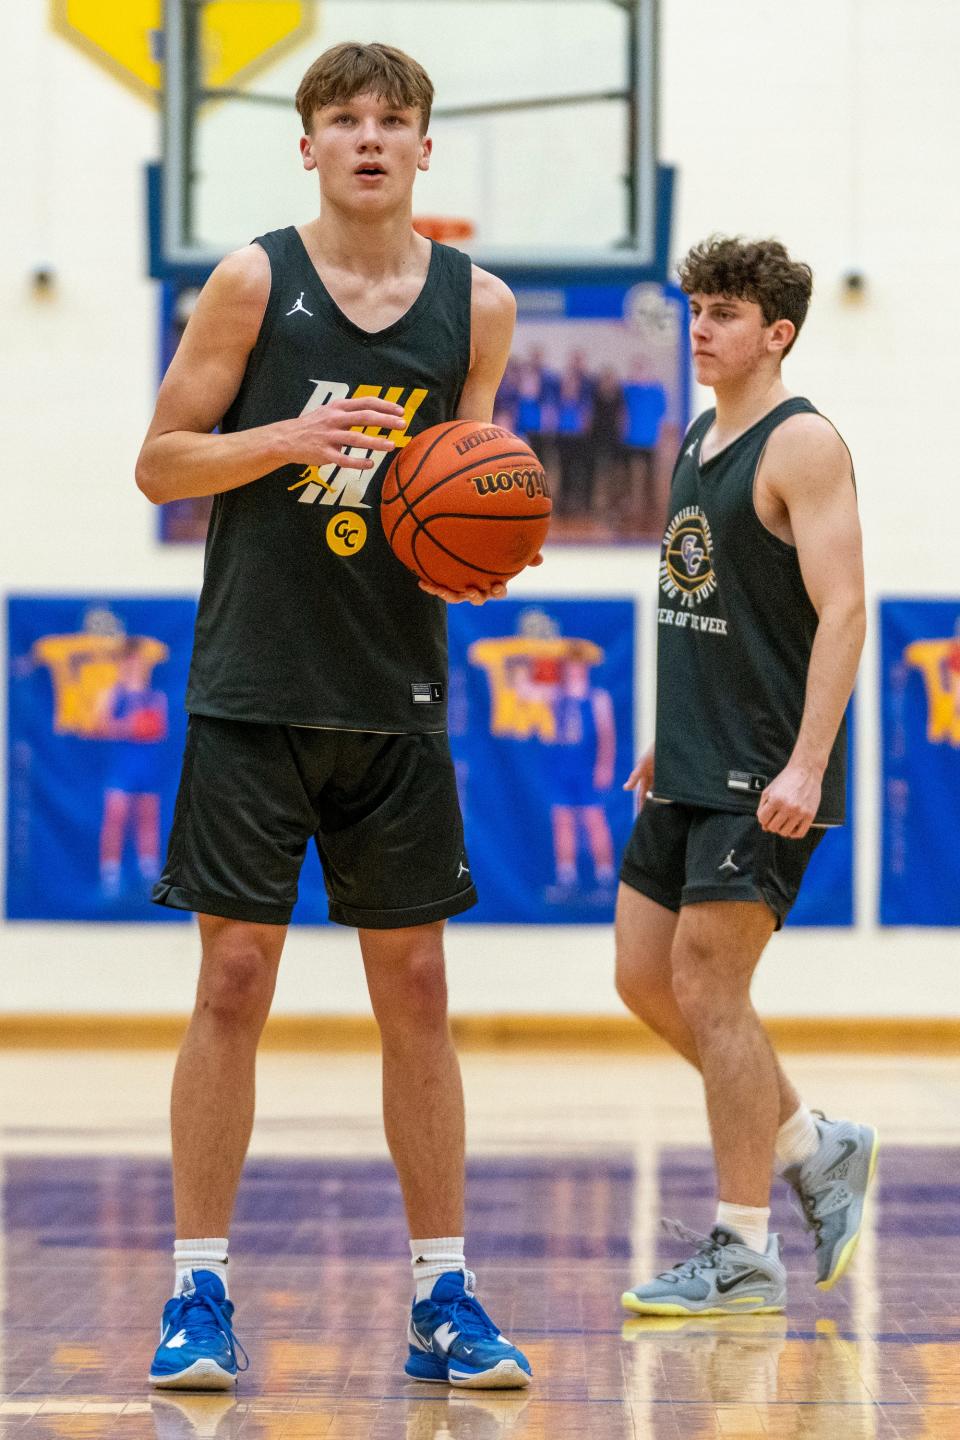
[544, 130]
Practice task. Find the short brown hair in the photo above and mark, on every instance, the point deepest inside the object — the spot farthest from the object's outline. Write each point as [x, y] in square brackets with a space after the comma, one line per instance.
[353, 69]
[758, 270]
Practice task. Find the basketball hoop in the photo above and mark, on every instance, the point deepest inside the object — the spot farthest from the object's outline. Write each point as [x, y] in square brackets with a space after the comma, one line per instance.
[446, 229]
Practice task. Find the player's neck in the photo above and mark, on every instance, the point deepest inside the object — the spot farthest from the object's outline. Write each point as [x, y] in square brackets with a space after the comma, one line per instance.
[743, 402]
[372, 249]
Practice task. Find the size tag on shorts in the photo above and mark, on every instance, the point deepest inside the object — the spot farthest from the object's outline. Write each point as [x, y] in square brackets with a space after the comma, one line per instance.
[427, 692]
[749, 784]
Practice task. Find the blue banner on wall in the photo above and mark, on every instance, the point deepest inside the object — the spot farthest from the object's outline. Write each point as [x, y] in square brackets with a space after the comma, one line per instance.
[542, 734]
[96, 730]
[920, 875]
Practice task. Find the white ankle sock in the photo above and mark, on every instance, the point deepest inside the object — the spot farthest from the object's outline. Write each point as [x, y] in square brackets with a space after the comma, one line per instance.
[205, 1254]
[797, 1139]
[750, 1223]
[431, 1258]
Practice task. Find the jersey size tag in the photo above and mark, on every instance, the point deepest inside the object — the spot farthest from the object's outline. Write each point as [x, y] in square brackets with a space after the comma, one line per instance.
[426, 693]
[743, 780]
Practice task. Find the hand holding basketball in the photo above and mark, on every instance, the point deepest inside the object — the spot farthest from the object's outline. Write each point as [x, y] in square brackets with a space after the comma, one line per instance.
[474, 596]
[466, 506]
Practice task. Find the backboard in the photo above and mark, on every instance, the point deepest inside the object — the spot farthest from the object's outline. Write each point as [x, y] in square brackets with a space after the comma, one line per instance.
[544, 127]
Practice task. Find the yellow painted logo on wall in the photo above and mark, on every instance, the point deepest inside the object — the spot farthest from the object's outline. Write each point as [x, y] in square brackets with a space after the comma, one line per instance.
[238, 36]
[84, 667]
[939, 663]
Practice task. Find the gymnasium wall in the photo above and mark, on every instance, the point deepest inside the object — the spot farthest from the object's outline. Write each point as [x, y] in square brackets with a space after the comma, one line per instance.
[841, 141]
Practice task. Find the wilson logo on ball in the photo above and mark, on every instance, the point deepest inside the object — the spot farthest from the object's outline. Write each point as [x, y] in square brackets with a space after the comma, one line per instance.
[531, 482]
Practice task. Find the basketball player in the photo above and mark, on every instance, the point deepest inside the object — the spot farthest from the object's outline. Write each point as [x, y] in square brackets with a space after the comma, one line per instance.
[317, 691]
[761, 623]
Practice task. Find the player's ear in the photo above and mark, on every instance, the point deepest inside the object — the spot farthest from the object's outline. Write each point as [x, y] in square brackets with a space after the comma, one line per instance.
[306, 153]
[780, 334]
[426, 150]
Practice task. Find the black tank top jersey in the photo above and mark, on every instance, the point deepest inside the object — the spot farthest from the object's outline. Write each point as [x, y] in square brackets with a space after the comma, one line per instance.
[306, 617]
[735, 631]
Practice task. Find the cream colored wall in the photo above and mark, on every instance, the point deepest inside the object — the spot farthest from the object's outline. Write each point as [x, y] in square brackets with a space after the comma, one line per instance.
[800, 121]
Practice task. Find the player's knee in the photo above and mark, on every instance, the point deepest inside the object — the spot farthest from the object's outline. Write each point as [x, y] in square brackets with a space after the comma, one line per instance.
[698, 982]
[417, 1002]
[641, 984]
[236, 985]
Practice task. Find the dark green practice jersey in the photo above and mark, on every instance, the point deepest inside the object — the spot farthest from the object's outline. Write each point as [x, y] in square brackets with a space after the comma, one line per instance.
[306, 617]
[736, 628]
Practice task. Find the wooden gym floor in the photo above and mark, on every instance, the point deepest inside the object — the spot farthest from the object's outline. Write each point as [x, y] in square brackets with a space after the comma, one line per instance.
[574, 1156]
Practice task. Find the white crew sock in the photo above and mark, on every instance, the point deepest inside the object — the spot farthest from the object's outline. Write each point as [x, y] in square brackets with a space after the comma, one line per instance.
[750, 1223]
[797, 1139]
[205, 1254]
[431, 1258]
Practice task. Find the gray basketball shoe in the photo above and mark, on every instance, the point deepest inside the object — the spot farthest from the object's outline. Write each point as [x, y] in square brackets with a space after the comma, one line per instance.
[832, 1187]
[722, 1277]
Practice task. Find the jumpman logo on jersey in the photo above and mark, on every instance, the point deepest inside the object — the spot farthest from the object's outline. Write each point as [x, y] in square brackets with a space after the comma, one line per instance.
[299, 305]
[691, 448]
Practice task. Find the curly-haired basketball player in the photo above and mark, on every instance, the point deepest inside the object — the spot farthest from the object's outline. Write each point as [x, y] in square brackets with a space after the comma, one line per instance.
[317, 688]
[761, 623]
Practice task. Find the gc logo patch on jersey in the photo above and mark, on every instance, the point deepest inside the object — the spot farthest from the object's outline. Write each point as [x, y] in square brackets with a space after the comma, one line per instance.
[686, 565]
[346, 533]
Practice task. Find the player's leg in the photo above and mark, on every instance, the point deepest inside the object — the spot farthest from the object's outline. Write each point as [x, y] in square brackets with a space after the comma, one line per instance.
[213, 1085]
[715, 952]
[241, 824]
[147, 834]
[736, 1268]
[408, 990]
[391, 844]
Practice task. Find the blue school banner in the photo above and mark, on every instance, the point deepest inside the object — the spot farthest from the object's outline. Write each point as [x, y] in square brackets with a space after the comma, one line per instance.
[96, 730]
[920, 874]
[827, 893]
[541, 729]
[542, 734]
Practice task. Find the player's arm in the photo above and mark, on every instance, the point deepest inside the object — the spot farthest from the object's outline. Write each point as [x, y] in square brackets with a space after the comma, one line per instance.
[180, 458]
[809, 473]
[493, 312]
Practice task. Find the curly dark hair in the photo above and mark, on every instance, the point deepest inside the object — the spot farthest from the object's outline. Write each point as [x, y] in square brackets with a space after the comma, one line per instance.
[759, 270]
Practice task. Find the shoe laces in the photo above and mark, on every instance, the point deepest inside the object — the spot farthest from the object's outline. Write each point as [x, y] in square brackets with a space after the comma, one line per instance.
[202, 1318]
[705, 1258]
[468, 1316]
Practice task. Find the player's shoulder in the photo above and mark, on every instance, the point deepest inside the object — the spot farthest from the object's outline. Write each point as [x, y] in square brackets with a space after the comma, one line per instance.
[491, 296]
[243, 273]
[806, 443]
[807, 436]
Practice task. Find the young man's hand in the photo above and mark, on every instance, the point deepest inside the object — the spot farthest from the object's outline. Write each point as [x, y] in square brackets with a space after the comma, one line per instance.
[473, 595]
[326, 434]
[641, 777]
[790, 802]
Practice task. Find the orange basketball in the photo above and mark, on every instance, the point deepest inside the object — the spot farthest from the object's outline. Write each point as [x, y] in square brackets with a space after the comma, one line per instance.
[465, 504]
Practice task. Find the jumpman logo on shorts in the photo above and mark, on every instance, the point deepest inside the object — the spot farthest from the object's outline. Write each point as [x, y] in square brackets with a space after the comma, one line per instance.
[299, 305]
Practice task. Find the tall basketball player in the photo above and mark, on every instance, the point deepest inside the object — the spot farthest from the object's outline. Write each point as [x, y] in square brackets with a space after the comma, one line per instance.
[761, 624]
[319, 350]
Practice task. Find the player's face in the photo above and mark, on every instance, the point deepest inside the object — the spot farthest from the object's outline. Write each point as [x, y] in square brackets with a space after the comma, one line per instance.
[730, 339]
[367, 153]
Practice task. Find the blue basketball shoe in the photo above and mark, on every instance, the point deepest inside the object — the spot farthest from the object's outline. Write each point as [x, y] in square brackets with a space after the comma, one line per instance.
[198, 1349]
[453, 1341]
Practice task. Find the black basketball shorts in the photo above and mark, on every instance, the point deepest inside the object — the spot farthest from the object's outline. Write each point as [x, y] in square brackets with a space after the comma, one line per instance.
[680, 855]
[381, 809]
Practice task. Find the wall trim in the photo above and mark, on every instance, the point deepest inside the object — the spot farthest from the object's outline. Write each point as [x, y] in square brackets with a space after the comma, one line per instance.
[907, 1034]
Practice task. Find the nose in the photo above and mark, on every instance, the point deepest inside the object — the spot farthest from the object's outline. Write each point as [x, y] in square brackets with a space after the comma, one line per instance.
[368, 136]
